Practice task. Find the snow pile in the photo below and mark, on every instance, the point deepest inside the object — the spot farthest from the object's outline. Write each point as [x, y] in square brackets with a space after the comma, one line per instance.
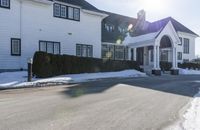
[189, 72]
[192, 116]
[18, 79]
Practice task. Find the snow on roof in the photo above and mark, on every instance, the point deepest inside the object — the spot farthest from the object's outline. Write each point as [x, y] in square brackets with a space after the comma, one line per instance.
[147, 37]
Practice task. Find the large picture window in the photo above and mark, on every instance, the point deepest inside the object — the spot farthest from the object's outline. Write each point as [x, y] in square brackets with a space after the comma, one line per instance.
[186, 46]
[49, 47]
[84, 50]
[115, 52]
[15, 47]
[5, 3]
[67, 12]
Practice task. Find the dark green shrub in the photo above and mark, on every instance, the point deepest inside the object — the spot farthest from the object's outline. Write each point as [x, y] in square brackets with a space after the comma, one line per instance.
[189, 65]
[48, 65]
[165, 66]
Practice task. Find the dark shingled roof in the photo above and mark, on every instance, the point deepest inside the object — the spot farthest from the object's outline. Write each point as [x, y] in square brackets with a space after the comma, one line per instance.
[116, 20]
[157, 25]
[82, 3]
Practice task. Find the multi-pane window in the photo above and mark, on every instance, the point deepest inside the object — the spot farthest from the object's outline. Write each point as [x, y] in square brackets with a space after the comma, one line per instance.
[15, 46]
[84, 50]
[119, 52]
[186, 46]
[57, 10]
[76, 14]
[186, 60]
[70, 13]
[108, 51]
[126, 53]
[5, 3]
[109, 27]
[179, 55]
[63, 11]
[181, 41]
[116, 52]
[49, 47]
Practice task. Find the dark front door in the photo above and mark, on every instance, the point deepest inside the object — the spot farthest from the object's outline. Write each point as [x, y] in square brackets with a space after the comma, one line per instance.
[140, 55]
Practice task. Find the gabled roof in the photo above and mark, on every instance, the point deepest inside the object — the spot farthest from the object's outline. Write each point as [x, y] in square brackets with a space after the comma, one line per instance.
[82, 3]
[158, 25]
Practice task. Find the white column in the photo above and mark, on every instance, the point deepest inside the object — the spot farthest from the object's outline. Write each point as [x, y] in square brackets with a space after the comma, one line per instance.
[173, 58]
[176, 58]
[129, 53]
[158, 58]
[135, 54]
[154, 57]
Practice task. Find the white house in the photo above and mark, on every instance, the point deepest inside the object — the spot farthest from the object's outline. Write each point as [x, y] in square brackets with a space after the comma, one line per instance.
[165, 40]
[76, 27]
[57, 27]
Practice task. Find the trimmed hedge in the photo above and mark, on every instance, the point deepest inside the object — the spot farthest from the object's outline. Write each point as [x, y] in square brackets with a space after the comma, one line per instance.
[189, 65]
[48, 65]
[165, 66]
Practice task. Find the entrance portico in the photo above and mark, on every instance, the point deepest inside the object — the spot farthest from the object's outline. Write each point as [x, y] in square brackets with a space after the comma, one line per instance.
[152, 48]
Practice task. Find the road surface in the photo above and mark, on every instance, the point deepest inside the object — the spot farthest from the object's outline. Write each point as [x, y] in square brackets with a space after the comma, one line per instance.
[151, 103]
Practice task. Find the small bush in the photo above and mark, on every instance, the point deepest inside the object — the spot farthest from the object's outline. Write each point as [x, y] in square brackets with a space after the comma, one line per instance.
[189, 65]
[165, 66]
[48, 65]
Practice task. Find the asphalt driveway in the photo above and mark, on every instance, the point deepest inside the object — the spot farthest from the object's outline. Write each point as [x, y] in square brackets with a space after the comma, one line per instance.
[151, 103]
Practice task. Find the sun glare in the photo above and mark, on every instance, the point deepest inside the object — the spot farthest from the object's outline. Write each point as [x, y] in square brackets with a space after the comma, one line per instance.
[153, 5]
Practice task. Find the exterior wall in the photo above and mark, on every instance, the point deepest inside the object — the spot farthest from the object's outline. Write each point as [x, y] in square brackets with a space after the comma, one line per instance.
[38, 23]
[9, 28]
[191, 38]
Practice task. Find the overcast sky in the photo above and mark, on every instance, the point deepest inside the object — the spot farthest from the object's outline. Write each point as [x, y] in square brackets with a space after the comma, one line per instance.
[185, 11]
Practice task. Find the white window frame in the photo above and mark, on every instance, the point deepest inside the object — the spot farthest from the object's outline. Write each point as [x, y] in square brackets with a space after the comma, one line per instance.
[7, 5]
[80, 50]
[70, 13]
[186, 46]
[76, 14]
[15, 51]
[63, 11]
[56, 14]
[55, 46]
[180, 55]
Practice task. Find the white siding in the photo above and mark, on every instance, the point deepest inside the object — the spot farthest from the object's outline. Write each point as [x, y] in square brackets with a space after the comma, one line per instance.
[9, 28]
[191, 38]
[38, 23]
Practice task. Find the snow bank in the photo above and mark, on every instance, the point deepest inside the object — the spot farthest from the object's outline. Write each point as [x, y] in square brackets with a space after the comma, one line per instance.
[192, 116]
[189, 72]
[18, 79]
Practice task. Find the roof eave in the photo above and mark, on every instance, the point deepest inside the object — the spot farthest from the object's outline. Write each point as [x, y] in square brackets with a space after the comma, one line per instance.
[95, 13]
[193, 35]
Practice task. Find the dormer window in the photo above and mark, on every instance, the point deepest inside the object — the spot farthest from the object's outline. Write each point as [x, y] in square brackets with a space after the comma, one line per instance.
[121, 30]
[109, 27]
[67, 12]
[5, 3]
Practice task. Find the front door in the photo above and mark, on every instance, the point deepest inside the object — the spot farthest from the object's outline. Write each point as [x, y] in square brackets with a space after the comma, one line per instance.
[140, 55]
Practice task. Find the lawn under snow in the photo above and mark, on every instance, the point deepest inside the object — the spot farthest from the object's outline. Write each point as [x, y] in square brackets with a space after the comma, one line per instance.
[18, 79]
[189, 72]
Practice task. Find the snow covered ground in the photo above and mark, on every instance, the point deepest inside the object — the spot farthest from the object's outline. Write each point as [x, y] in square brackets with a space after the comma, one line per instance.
[192, 116]
[18, 79]
[189, 72]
